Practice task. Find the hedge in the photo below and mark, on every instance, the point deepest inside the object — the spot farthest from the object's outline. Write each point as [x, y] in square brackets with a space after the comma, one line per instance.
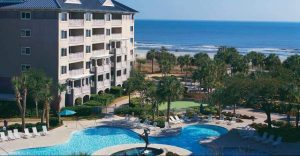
[93, 103]
[117, 91]
[104, 99]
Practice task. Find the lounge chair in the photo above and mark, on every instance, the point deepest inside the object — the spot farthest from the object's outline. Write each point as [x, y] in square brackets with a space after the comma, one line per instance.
[154, 126]
[186, 119]
[264, 137]
[10, 135]
[45, 131]
[16, 134]
[3, 137]
[167, 126]
[269, 140]
[178, 119]
[277, 142]
[35, 132]
[172, 120]
[27, 134]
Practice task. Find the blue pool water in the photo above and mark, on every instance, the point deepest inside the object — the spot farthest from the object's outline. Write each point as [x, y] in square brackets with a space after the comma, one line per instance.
[93, 139]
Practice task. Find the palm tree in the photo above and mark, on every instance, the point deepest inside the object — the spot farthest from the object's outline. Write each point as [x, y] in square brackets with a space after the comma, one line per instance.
[20, 85]
[169, 89]
[61, 88]
[187, 62]
[140, 62]
[180, 62]
[152, 97]
[47, 100]
[151, 55]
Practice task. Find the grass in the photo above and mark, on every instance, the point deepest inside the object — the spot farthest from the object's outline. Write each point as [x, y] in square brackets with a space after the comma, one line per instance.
[179, 105]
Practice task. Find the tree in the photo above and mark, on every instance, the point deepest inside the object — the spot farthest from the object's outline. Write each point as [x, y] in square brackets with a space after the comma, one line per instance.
[47, 98]
[36, 80]
[151, 56]
[201, 59]
[272, 62]
[169, 89]
[217, 97]
[61, 88]
[20, 84]
[256, 59]
[166, 61]
[180, 62]
[187, 62]
[153, 98]
[140, 62]
[293, 63]
[135, 82]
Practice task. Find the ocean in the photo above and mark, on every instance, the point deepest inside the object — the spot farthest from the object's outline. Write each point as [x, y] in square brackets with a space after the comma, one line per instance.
[207, 36]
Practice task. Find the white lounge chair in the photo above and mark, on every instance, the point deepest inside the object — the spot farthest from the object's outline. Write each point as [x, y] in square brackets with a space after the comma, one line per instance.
[172, 120]
[3, 137]
[45, 131]
[16, 134]
[277, 142]
[178, 119]
[26, 133]
[167, 126]
[269, 140]
[35, 132]
[154, 126]
[10, 135]
[264, 137]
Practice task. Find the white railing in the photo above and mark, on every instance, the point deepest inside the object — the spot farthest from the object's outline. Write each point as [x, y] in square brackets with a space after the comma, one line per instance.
[76, 56]
[119, 65]
[86, 89]
[98, 52]
[76, 72]
[97, 38]
[98, 22]
[76, 22]
[82, 90]
[116, 36]
[117, 22]
[76, 39]
[124, 64]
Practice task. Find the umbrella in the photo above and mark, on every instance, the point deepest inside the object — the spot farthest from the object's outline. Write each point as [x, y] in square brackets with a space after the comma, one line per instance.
[67, 112]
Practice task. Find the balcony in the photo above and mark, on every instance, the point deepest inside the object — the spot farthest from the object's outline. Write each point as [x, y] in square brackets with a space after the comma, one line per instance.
[116, 36]
[97, 22]
[76, 39]
[98, 38]
[81, 90]
[124, 64]
[116, 22]
[124, 77]
[76, 23]
[119, 65]
[76, 72]
[76, 56]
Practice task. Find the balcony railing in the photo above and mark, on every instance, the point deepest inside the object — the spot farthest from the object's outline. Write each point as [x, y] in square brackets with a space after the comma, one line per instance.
[98, 22]
[81, 90]
[107, 83]
[116, 22]
[116, 36]
[97, 38]
[98, 52]
[76, 72]
[76, 39]
[76, 56]
[76, 22]
[124, 64]
[119, 65]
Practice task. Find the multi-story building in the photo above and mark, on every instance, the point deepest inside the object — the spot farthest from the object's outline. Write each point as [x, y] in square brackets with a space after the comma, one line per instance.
[86, 44]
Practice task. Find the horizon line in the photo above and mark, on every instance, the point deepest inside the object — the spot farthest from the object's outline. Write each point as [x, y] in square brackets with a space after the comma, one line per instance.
[207, 20]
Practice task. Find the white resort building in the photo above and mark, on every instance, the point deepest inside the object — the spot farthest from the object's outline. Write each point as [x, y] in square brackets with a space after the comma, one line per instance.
[86, 44]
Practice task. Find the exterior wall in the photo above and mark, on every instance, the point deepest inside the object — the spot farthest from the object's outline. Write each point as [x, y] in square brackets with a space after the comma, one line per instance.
[43, 42]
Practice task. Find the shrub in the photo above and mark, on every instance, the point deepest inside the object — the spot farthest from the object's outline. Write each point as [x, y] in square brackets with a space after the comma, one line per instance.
[8, 109]
[93, 103]
[103, 99]
[134, 102]
[210, 110]
[82, 110]
[54, 122]
[78, 101]
[160, 122]
[117, 91]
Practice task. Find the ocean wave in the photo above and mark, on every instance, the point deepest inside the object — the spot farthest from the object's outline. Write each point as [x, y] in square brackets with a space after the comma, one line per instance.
[214, 49]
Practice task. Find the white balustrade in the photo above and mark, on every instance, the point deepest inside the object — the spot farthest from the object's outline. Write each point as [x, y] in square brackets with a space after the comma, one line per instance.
[76, 72]
[98, 22]
[76, 56]
[98, 38]
[76, 39]
[76, 22]
[116, 22]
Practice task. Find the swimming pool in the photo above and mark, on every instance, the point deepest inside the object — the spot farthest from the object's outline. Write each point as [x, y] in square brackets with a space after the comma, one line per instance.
[93, 139]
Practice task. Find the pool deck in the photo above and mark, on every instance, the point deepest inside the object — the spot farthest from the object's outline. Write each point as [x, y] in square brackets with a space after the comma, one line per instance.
[62, 134]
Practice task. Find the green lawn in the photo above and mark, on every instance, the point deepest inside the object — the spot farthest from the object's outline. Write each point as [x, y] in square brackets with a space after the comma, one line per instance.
[179, 105]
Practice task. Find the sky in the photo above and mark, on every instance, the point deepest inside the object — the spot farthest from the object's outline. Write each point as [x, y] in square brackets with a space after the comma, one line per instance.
[227, 10]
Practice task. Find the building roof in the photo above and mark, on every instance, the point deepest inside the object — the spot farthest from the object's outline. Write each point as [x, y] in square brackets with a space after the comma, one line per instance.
[91, 5]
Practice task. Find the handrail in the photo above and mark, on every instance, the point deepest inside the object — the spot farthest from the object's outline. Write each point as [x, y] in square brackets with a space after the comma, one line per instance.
[4, 150]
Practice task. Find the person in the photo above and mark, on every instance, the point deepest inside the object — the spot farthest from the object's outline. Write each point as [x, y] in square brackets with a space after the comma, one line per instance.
[5, 123]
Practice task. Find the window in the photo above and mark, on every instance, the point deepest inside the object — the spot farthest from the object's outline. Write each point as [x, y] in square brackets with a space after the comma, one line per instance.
[87, 65]
[25, 67]
[25, 15]
[131, 28]
[64, 16]
[107, 76]
[63, 70]
[118, 44]
[64, 34]
[100, 77]
[119, 58]
[125, 58]
[25, 51]
[107, 17]
[131, 52]
[88, 16]
[63, 52]
[108, 46]
[88, 49]
[87, 81]
[87, 33]
[124, 71]
[107, 32]
[131, 64]
[119, 73]
[131, 40]
[25, 33]
[107, 60]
